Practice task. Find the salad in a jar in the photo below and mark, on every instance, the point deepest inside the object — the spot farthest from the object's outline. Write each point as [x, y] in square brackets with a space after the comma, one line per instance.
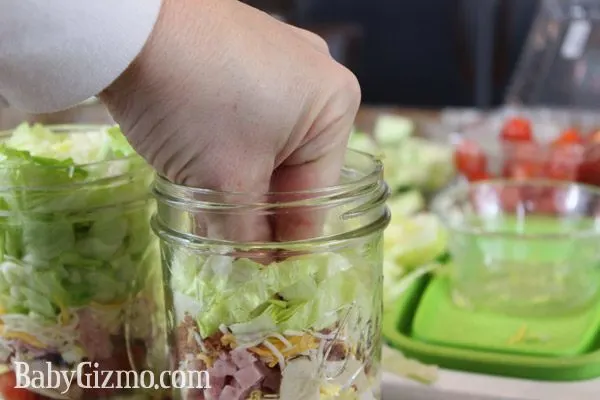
[306, 328]
[77, 260]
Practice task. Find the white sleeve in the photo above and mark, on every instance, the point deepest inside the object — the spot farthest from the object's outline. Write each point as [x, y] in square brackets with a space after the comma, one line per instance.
[57, 53]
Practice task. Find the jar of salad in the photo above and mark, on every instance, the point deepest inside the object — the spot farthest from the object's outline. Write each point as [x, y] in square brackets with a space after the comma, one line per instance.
[251, 317]
[81, 305]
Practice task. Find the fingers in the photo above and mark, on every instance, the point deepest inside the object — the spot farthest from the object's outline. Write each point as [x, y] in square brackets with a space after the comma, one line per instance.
[304, 222]
[229, 209]
[316, 164]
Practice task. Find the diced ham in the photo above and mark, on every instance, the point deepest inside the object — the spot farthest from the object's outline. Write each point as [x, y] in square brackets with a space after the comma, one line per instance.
[93, 337]
[272, 380]
[194, 394]
[246, 393]
[216, 386]
[222, 369]
[248, 376]
[242, 358]
[230, 393]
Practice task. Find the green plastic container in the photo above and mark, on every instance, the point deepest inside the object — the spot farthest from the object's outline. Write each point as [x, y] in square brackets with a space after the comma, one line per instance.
[427, 325]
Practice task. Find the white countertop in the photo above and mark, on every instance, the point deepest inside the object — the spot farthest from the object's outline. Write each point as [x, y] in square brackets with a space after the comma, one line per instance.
[453, 385]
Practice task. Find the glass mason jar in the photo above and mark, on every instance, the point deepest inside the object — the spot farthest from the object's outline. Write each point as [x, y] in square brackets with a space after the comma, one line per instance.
[256, 318]
[79, 276]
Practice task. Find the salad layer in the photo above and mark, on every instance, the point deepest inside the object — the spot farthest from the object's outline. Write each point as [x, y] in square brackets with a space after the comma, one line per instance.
[304, 328]
[78, 271]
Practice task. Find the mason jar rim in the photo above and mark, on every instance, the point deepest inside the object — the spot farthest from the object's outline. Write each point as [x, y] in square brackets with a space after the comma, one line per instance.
[71, 128]
[186, 195]
[365, 192]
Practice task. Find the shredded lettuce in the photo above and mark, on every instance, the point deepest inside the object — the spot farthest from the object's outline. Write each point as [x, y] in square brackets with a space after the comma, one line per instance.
[74, 224]
[294, 294]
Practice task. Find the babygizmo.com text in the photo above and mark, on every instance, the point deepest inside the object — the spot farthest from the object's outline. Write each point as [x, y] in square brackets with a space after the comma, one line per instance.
[87, 376]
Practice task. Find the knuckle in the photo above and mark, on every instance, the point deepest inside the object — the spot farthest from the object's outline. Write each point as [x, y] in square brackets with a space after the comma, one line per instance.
[347, 88]
[319, 41]
[315, 39]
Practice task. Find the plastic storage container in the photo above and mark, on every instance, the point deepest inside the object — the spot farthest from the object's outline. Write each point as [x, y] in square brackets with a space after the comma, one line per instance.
[80, 275]
[527, 248]
[293, 320]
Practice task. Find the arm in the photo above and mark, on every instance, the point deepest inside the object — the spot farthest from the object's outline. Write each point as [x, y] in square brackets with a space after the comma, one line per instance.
[55, 54]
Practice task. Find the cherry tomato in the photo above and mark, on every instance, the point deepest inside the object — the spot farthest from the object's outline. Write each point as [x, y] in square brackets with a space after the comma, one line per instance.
[517, 130]
[470, 159]
[522, 170]
[8, 381]
[510, 199]
[563, 162]
[594, 137]
[568, 137]
[589, 169]
[481, 176]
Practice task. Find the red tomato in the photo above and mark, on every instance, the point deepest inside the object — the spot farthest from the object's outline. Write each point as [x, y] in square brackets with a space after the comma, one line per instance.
[563, 163]
[517, 130]
[470, 159]
[522, 170]
[594, 137]
[568, 137]
[522, 160]
[8, 381]
[510, 199]
[589, 169]
[482, 176]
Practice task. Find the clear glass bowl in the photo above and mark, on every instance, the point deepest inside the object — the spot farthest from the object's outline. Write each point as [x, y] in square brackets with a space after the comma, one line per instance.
[523, 247]
[565, 145]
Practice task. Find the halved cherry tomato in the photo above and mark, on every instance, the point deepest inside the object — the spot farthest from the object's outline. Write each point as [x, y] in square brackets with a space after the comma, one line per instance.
[482, 176]
[522, 161]
[470, 159]
[517, 130]
[510, 198]
[589, 169]
[594, 137]
[568, 137]
[563, 162]
[8, 381]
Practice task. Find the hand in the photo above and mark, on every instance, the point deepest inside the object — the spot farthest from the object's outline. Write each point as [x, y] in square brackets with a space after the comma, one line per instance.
[225, 97]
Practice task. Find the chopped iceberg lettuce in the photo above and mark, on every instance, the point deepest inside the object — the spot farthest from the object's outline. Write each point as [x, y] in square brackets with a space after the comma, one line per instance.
[74, 228]
[392, 129]
[415, 241]
[294, 294]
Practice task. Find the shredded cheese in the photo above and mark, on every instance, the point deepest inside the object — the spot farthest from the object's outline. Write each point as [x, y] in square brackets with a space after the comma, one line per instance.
[269, 351]
[228, 340]
[34, 333]
[282, 339]
[205, 359]
[519, 336]
[24, 337]
[275, 351]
